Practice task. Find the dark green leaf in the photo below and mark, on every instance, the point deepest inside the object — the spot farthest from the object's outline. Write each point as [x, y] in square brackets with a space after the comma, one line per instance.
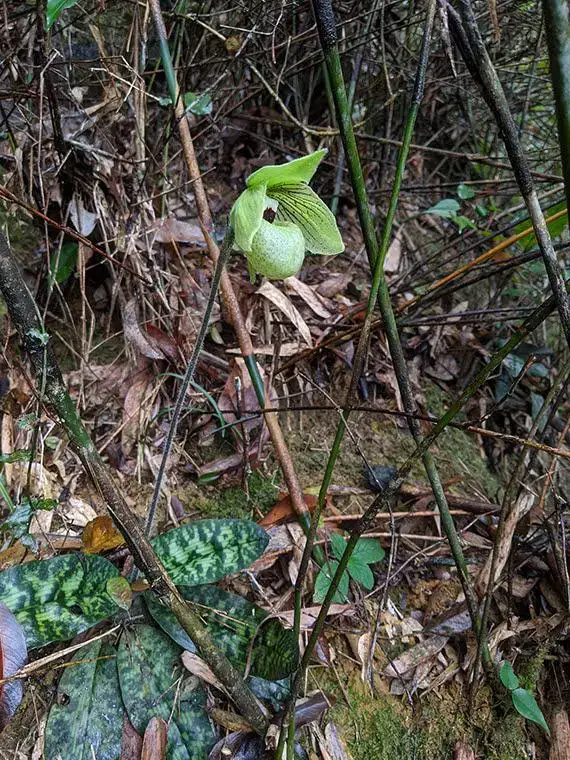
[55, 599]
[150, 675]
[465, 192]
[525, 704]
[62, 262]
[206, 550]
[233, 622]
[55, 8]
[508, 677]
[324, 578]
[86, 720]
[368, 550]
[361, 573]
[338, 545]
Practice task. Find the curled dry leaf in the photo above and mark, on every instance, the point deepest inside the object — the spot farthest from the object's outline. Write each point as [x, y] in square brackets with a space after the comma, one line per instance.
[312, 299]
[283, 511]
[100, 535]
[280, 300]
[134, 334]
[155, 740]
[13, 655]
[418, 654]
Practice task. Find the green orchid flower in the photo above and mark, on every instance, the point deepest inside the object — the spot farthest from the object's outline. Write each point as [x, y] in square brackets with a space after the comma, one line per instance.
[276, 249]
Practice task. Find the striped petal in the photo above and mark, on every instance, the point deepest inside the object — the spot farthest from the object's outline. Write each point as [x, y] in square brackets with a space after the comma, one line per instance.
[302, 206]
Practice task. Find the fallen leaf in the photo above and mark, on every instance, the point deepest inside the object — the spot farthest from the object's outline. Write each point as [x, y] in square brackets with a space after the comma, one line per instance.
[281, 302]
[134, 334]
[172, 229]
[155, 740]
[198, 667]
[13, 655]
[392, 263]
[84, 221]
[131, 744]
[309, 296]
[100, 535]
[283, 510]
[415, 656]
[334, 284]
[336, 746]
[135, 408]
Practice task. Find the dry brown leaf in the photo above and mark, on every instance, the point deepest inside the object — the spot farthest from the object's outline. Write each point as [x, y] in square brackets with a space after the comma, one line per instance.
[336, 745]
[310, 614]
[177, 230]
[283, 510]
[76, 512]
[281, 302]
[131, 743]
[155, 740]
[334, 284]
[392, 263]
[314, 301]
[100, 535]
[418, 654]
[134, 334]
[135, 407]
[199, 668]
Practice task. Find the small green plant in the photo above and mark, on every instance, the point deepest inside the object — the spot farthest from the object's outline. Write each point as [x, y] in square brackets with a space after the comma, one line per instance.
[523, 701]
[366, 552]
[278, 217]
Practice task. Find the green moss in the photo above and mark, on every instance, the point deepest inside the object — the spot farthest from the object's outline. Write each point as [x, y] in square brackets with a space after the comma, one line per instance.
[385, 728]
[456, 452]
[234, 502]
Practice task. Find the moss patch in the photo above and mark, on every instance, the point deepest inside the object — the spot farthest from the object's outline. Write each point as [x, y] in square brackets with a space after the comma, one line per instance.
[235, 502]
[385, 728]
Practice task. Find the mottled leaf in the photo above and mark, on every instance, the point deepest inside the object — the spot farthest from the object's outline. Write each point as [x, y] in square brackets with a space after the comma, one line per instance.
[233, 623]
[119, 589]
[152, 685]
[86, 720]
[55, 599]
[206, 550]
[13, 655]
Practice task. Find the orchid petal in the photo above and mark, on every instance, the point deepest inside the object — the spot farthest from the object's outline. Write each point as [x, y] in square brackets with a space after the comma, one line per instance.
[299, 170]
[302, 206]
[246, 216]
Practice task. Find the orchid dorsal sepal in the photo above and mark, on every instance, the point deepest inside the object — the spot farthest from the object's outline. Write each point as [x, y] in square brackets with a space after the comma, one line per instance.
[302, 220]
[299, 170]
